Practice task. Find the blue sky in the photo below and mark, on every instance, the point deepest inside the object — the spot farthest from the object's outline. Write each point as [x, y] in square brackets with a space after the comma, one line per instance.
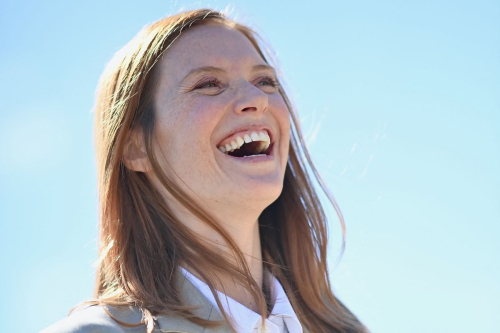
[401, 105]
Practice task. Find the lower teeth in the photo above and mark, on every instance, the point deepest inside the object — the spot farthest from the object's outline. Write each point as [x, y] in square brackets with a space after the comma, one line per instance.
[255, 155]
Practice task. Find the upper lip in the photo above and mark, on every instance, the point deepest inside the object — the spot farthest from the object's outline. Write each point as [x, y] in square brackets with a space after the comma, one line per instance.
[253, 127]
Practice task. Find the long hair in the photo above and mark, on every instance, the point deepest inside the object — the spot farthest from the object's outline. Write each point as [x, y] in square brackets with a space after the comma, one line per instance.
[142, 243]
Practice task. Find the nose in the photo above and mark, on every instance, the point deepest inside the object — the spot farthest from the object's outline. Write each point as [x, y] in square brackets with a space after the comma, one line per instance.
[250, 99]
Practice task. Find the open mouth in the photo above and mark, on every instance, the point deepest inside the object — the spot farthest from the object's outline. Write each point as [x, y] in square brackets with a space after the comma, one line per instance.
[247, 144]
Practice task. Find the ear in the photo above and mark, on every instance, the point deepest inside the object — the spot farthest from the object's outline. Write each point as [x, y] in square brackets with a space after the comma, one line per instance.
[135, 157]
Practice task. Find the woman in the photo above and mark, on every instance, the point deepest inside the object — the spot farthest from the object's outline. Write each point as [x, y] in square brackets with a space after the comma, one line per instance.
[209, 219]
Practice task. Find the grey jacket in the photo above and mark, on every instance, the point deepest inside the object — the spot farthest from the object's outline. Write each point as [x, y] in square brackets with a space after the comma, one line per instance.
[93, 319]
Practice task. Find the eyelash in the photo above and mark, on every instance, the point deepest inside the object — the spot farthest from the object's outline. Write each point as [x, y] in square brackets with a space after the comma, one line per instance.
[203, 83]
[272, 82]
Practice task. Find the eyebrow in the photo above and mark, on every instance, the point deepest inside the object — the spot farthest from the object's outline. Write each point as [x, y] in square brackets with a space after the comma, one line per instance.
[219, 71]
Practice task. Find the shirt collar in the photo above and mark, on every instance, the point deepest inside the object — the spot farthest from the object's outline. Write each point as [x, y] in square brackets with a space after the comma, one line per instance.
[245, 320]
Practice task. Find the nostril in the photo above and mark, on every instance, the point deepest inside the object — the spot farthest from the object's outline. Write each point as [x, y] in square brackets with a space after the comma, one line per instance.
[249, 109]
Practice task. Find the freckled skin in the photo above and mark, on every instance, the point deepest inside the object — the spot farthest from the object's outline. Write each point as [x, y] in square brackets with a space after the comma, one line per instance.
[191, 121]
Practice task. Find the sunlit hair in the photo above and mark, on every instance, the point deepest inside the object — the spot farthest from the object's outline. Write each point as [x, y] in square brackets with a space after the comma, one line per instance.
[142, 243]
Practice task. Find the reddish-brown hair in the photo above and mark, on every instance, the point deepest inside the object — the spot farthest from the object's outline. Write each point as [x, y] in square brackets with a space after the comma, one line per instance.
[142, 243]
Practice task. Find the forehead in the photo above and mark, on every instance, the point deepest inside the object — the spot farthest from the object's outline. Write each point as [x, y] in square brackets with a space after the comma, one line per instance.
[214, 45]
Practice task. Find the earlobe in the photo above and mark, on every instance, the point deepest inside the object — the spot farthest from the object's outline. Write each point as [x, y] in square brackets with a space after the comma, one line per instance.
[135, 156]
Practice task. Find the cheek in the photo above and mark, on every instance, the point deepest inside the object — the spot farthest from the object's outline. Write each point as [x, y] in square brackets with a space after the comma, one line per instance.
[205, 115]
[282, 116]
[187, 130]
[203, 118]
[204, 112]
[182, 144]
[188, 121]
[281, 113]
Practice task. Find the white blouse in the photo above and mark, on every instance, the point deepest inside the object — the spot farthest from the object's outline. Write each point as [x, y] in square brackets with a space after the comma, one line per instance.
[281, 320]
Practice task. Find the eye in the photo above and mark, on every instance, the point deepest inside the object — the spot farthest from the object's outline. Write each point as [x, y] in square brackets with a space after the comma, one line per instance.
[267, 81]
[210, 83]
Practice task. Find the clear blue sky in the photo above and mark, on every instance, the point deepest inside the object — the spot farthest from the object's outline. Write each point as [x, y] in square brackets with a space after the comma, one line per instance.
[401, 103]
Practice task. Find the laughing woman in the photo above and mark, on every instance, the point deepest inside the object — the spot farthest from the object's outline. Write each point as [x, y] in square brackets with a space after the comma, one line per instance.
[209, 219]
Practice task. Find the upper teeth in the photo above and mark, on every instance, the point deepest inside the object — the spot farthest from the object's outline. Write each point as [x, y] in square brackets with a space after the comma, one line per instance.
[240, 139]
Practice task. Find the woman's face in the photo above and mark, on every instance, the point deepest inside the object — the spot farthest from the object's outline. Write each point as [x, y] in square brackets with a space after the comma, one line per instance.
[216, 94]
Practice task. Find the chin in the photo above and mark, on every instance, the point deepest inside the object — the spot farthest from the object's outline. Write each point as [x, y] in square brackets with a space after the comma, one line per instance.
[262, 192]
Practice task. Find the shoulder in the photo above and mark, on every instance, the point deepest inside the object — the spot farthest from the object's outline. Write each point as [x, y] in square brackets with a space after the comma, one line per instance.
[94, 318]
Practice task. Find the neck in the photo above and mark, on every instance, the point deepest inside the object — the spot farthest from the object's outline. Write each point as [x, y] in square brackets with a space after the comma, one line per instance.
[245, 233]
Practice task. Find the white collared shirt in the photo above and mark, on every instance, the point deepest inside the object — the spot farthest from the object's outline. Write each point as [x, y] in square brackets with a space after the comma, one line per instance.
[281, 320]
